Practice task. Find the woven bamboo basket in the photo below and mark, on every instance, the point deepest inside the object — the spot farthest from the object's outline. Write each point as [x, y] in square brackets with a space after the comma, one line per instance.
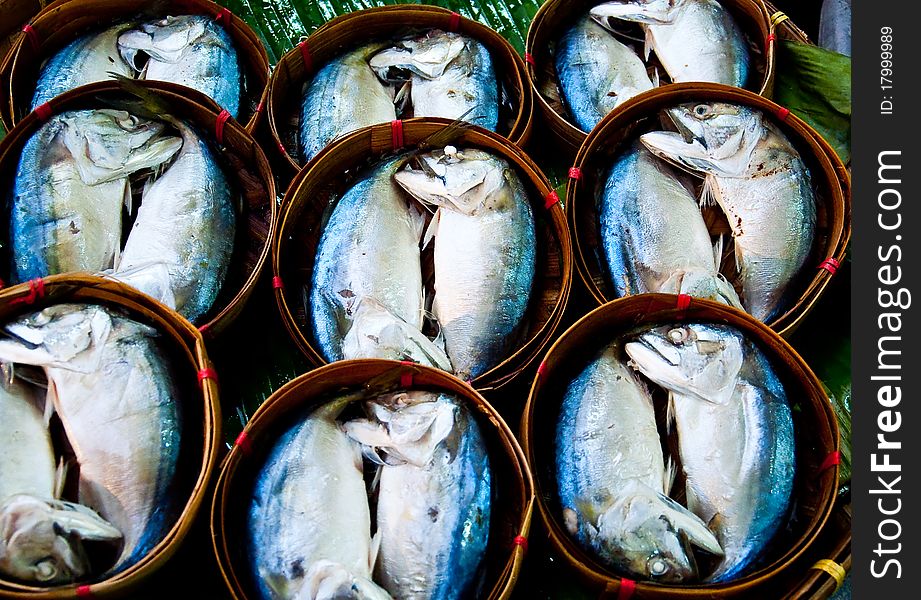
[15, 14]
[513, 489]
[201, 407]
[243, 162]
[549, 23]
[62, 21]
[317, 186]
[816, 433]
[819, 573]
[641, 114]
[381, 23]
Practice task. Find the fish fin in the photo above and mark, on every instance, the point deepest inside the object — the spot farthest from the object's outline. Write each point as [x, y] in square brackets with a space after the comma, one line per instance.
[376, 479]
[671, 471]
[60, 478]
[403, 96]
[655, 77]
[432, 230]
[708, 192]
[727, 292]
[687, 522]
[670, 413]
[375, 550]
[50, 402]
[648, 44]
[718, 251]
[417, 217]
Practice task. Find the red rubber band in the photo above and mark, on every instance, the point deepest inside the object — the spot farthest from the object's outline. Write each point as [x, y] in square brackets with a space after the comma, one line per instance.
[529, 58]
[204, 328]
[305, 56]
[83, 591]
[783, 113]
[541, 369]
[551, 199]
[771, 38]
[396, 134]
[243, 442]
[626, 589]
[224, 17]
[522, 541]
[575, 173]
[36, 292]
[282, 149]
[2, 284]
[831, 265]
[32, 35]
[830, 461]
[406, 379]
[454, 23]
[277, 283]
[684, 301]
[260, 107]
[219, 126]
[43, 112]
[207, 374]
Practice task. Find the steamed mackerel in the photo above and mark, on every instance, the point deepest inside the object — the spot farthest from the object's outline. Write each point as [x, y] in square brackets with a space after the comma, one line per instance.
[450, 76]
[762, 185]
[111, 384]
[366, 291]
[695, 40]
[434, 498]
[484, 238]
[90, 58]
[653, 234]
[180, 246]
[70, 185]
[309, 523]
[42, 537]
[191, 50]
[596, 72]
[735, 433]
[325, 114]
[612, 479]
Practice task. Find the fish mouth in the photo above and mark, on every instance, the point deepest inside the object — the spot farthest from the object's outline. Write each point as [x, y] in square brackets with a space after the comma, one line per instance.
[678, 119]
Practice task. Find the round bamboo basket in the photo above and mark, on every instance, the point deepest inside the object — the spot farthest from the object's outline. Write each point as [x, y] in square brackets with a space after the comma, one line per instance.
[513, 488]
[243, 161]
[549, 23]
[202, 415]
[15, 14]
[641, 114]
[62, 21]
[816, 577]
[381, 23]
[314, 190]
[816, 433]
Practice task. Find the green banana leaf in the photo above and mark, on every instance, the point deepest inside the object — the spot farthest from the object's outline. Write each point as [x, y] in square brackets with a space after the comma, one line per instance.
[815, 84]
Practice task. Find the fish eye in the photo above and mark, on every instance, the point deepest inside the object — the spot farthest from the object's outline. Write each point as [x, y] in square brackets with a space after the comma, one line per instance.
[678, 335]
[702, 110]
[657, 566]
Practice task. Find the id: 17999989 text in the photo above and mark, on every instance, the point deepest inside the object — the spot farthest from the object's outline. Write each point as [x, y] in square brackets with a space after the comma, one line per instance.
[885, 70]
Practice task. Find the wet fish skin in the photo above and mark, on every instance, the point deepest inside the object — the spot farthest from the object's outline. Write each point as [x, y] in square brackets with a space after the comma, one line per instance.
[596, 72]
[835, 26]
[90, 58]
[112, 386]
[42, 537]
[325, 117]
[309, 523]
[182, 240]
[485, 255]
[434, 499]
[190, 50]
[761, 183]
[451, 76]
[653, 234]
[695, 40]
[738, 452]
[369, 249]
[612, 479]
[71, 182]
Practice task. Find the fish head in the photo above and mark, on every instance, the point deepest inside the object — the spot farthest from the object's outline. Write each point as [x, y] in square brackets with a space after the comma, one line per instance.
[690, 359]
[464, 181]
[654, 12]
[652, 535]
[714, 138]
[42, 540]
[427, 56]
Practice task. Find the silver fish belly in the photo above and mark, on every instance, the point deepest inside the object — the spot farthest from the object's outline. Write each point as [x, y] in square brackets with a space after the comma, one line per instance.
[653, 234]
[738, 451]
[88, 59]
[309, 523]
[181, 243]
[612, 480]
[325, 116]
[485, 253]
[369, 249]
[190, 50]
[70, 185]
[596, 72]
